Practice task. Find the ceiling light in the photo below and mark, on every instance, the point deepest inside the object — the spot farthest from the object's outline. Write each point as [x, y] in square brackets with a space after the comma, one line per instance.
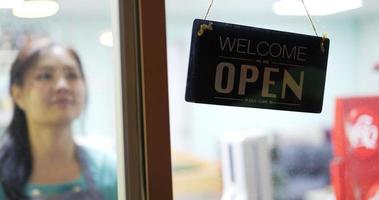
[10, 3]
[36, 9]
[106, 39]
[314, 7]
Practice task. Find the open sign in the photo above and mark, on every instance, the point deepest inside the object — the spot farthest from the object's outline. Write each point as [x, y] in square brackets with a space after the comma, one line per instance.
[252, 67]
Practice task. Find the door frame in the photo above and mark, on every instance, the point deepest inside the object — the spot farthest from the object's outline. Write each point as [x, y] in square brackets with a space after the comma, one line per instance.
[147, 162]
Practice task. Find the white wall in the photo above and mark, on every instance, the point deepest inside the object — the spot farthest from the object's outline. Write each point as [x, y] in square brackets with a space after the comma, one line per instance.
[367, 79]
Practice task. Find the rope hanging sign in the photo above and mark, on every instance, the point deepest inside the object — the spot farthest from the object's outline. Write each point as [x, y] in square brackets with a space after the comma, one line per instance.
[246, 66]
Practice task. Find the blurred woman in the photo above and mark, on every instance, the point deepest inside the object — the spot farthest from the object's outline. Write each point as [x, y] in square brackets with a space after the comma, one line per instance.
[39, 158]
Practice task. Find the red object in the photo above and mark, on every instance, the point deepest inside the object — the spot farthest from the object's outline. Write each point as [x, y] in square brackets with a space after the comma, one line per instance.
[355, 166]
[376, 66]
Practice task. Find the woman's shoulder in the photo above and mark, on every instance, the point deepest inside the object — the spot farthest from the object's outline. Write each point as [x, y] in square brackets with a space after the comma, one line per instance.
[100, 158]
[100, 162]
[102, 166]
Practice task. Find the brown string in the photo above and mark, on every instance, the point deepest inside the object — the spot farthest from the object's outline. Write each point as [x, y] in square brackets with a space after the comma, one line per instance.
[209, 8]
[209, 26]
[309, 17]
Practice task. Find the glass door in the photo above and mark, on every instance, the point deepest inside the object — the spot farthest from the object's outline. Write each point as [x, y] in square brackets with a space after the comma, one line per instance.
[229, 152]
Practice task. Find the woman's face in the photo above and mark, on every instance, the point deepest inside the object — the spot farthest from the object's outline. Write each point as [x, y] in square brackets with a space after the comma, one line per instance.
[53, 91]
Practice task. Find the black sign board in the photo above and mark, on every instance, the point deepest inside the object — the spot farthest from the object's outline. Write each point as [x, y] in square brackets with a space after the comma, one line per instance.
[252, 67]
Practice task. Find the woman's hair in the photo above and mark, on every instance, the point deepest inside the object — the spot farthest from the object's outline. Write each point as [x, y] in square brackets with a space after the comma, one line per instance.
[16, 160]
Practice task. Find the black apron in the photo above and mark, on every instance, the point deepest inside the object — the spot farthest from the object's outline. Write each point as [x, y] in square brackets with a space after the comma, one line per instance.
[90, 194]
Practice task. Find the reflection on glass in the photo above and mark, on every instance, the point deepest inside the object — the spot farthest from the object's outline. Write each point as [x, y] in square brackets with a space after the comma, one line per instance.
[57, 137]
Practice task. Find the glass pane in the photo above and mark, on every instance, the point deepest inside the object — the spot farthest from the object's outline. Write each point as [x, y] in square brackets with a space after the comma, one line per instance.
[59, 102]
[223, 152]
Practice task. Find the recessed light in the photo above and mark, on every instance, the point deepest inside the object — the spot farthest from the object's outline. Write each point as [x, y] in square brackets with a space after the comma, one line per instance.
[106, 39]
[36, 9]
[315, 7]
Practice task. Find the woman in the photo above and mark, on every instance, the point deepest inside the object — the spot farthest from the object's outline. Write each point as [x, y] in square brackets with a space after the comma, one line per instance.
[38, 156]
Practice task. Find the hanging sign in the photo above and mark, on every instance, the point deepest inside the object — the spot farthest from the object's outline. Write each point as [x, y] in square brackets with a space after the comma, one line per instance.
[252, 67]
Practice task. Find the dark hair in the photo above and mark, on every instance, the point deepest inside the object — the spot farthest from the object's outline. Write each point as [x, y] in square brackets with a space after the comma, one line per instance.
[16, 160]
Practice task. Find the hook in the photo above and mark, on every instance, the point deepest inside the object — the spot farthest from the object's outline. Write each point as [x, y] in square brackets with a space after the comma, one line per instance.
[324, 36]
[203, 28]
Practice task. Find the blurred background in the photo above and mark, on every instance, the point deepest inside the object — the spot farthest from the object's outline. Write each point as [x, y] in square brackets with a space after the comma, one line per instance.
[299, 143]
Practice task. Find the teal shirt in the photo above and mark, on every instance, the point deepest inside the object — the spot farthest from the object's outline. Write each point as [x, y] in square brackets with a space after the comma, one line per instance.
[103, 170]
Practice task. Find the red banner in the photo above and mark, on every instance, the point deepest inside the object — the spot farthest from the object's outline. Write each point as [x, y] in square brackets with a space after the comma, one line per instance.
[355, 166]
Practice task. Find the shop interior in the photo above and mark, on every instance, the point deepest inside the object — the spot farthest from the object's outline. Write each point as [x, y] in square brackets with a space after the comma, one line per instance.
[301, 146]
